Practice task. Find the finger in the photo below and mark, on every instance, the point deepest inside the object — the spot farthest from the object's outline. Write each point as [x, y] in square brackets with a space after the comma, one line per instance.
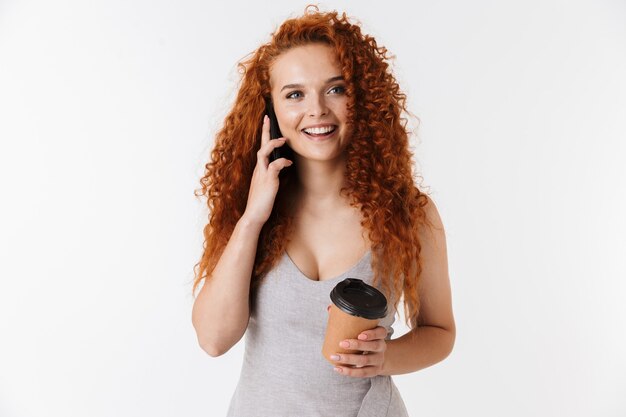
[279, 164]
[274, 143]
[356, 359]
[265, 131]
[264, 153]
[356, 372]
[379, 332]
[370, 346]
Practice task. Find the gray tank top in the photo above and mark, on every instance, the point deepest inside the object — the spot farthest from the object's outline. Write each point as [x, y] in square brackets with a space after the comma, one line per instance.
[284, 373]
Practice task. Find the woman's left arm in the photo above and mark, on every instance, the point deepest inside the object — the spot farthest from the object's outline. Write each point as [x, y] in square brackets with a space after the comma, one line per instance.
[433, 339]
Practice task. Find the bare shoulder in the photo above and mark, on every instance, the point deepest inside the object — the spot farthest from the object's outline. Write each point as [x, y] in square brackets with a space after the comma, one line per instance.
[433, 219]
[435, 292]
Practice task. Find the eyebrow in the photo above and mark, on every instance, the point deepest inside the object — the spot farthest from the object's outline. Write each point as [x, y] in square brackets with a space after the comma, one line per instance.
[328, 81]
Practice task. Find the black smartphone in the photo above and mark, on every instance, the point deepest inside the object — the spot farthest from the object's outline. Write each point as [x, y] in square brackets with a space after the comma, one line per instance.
[283, 151]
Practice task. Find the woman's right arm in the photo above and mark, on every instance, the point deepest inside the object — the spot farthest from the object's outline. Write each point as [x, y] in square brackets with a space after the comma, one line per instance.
[221, 311]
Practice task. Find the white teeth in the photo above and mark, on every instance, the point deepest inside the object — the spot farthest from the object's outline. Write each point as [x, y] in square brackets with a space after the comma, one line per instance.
[319, 130]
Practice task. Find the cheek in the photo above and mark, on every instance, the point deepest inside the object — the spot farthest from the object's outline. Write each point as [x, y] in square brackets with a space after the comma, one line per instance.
[341, 110]
[289, 119]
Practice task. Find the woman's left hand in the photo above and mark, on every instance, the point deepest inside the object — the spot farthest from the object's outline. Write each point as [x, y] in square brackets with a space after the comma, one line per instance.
[366, 364]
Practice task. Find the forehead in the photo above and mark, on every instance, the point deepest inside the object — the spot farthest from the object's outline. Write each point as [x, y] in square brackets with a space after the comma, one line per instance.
[308, 64]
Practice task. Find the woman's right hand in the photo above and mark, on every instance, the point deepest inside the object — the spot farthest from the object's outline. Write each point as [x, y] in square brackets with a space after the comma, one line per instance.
[264, 184]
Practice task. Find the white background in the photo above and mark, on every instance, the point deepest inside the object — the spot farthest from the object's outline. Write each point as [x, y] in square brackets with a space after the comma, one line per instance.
[107, 114]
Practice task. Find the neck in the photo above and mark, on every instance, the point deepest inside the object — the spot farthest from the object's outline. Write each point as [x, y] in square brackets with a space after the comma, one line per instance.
[319, 183]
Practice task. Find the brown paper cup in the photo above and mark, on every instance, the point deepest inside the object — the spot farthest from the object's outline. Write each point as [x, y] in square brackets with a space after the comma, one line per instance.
[342, 326]
[356, 307]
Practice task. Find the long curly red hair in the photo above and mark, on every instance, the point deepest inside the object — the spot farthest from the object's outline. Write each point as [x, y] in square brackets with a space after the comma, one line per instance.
[378, 160]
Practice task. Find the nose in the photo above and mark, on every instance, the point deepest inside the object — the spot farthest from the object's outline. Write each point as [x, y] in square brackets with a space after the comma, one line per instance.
[317, 106]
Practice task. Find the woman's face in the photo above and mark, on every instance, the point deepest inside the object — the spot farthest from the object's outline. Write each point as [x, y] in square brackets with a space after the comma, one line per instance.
[308, 90]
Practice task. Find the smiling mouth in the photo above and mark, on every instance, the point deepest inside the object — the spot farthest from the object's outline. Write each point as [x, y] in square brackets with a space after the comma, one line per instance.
[320, 135]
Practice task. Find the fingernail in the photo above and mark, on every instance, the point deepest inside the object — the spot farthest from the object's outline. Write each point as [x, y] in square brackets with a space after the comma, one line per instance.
[344, 344]
[265, 118]
[335, 357]
[337, 370]
[362, 336]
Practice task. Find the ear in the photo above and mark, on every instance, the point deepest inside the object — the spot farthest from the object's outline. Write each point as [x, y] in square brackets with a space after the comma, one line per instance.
[328, 308]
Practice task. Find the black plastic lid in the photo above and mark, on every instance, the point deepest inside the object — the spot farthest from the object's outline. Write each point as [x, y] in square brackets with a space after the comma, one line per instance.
[357, 298]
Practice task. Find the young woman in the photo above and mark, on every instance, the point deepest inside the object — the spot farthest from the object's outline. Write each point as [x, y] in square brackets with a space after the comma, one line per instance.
[283, 233]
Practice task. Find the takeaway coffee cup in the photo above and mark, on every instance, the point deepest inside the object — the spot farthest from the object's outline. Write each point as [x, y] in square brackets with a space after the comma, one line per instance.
[356, 307]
